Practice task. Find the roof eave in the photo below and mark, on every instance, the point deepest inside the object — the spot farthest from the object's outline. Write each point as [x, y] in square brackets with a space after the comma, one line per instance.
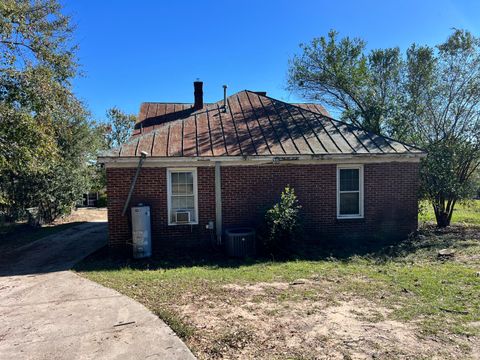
[267, 158]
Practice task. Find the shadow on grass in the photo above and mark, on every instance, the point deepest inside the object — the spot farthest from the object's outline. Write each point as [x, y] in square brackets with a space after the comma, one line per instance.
[428, 239]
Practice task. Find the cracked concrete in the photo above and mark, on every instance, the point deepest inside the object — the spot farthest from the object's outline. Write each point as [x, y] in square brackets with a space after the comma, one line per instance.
[49, 312]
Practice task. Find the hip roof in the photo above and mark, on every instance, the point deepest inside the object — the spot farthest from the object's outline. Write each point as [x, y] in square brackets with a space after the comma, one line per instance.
[252, 124]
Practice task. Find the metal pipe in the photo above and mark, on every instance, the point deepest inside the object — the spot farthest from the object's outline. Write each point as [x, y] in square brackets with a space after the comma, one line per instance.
[143, 156]
[218, 202]
[224, 98]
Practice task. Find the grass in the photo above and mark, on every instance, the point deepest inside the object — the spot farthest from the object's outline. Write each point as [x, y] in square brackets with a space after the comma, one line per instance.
[436, 298]
[467, 212]
[182, 329]
[442, 298]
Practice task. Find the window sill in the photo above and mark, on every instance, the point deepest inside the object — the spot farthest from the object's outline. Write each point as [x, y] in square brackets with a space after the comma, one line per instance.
[350, 218]
[184, 224]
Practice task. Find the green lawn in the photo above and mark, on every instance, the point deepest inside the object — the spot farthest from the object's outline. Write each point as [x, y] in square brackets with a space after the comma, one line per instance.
[226, 308]
[467, 212]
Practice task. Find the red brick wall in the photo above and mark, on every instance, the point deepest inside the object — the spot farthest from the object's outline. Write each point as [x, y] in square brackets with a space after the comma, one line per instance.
[390, 197]
[390, 203]
[151, 189]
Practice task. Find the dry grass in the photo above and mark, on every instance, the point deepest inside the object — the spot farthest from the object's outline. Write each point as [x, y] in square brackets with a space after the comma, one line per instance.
[397, 302]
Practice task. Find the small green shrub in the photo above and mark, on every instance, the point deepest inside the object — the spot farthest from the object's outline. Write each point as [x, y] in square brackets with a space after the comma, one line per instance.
[282, 224]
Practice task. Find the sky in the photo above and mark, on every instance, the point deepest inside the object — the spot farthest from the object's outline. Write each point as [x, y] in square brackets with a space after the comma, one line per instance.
[136, 51]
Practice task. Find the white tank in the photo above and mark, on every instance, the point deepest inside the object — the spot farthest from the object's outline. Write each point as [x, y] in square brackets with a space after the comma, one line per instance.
[141, 232]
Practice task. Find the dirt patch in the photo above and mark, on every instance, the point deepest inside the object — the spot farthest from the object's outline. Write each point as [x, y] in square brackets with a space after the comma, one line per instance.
[277, 320]
[260, 288]
[84, 215]
[397, 302]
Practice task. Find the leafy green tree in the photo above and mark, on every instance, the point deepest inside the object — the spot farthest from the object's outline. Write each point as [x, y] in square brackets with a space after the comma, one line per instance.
[35, 66]
[47, 142]
[340, 74]
[282, 223]
[119, 127]
[116, 131]
[429, 96]
[442, 114]
[70, 173]
[447, 176]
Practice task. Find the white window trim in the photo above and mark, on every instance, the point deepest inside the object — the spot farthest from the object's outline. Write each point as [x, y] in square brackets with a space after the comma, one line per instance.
[169, 194]
[360, 188]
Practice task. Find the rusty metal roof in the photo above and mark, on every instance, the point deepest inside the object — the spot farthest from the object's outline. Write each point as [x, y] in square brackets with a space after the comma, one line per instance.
[252, 125]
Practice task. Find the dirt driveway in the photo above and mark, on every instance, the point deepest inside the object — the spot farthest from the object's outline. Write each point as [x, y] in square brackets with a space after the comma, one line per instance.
[48, 312]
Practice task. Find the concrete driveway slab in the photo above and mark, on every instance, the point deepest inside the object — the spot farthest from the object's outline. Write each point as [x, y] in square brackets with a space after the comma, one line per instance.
[49, 312]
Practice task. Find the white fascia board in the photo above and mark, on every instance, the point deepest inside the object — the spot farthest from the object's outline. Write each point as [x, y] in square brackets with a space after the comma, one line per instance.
[260, 160]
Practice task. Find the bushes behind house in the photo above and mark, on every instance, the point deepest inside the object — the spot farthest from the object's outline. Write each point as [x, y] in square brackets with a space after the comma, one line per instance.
[282, 225]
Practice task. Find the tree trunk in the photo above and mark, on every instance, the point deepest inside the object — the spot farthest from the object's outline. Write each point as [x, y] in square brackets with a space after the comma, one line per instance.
[443, 211]
[443, 219]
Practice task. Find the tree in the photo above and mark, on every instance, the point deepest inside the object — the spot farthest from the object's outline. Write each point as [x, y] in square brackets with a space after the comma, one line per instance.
[447, 176]
[119, 128]
[35, 66]
[429, 97]
[476, 182]
[442, 113]
[115, 132]
[46, 139]
[282, 223]
[339, 73]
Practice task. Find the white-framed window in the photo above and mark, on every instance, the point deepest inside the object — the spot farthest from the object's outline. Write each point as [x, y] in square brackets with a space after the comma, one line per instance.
[349, 191]
[182, 196]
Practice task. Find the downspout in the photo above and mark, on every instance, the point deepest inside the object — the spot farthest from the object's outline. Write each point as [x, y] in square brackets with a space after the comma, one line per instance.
[143, 156]
[218, 202]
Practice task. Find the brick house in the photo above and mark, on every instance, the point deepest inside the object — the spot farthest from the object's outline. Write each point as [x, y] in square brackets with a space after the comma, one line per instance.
[227, 162]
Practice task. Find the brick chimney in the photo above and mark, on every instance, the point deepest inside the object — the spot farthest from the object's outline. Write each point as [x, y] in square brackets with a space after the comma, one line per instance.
[198, 93]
